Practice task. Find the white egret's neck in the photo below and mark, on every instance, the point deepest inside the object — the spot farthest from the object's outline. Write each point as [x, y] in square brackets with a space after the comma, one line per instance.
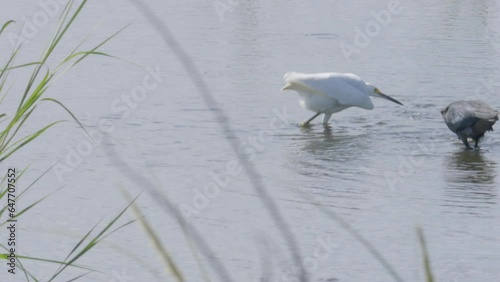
[371, 90]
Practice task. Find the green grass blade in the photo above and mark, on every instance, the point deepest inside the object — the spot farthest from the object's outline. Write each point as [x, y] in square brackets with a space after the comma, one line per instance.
[93, 51]
[92, 243]
[27, 274]
[84, 54]
[9, 62]
[21, 66]
[63, 28]
[79, 276]
[118, 228]
[101, 44]
[63, 31]
[39, 90]
[62, 19]
[20, 195]
[169, 262]
[427, 262]
[80, 243]
[3, 256]
[172, 267]
[378, 256]
[29, 139]
[5, 25]
[193, 236]
[4, 146]
[4, 178]
[70, 113]
[32, 205]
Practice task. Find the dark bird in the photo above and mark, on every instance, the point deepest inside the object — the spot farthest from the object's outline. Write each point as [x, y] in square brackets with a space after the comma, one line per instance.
[469, 119]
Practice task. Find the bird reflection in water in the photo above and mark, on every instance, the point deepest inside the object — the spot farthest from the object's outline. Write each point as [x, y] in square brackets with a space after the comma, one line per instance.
[324, 142]
[471, 179]
[328, 146]
[321, 147]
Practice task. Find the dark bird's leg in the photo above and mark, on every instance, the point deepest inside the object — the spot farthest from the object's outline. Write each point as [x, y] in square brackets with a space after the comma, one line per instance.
[309, 120]
[476, 142]
[476, 139]
[466, 143]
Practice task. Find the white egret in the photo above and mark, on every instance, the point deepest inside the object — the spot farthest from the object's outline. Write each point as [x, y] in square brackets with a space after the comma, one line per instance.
[469, 119]
[328, 93]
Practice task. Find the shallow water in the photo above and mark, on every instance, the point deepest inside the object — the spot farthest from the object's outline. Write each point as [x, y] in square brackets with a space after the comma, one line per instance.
[384, 171]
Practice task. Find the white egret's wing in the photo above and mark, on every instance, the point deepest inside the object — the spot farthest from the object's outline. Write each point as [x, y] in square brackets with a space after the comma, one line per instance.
[347, 89]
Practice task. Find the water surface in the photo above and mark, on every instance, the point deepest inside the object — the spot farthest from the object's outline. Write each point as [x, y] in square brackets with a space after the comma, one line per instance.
[384, 171]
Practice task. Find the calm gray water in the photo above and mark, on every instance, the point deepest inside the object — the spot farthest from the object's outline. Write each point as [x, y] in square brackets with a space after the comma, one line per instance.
[384, 171]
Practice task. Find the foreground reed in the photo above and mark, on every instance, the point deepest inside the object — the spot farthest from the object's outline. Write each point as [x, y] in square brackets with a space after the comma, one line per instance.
[36, 88]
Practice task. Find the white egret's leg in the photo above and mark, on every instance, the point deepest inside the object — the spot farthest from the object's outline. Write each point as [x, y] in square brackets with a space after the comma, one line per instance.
[309, 120]
[326, 118]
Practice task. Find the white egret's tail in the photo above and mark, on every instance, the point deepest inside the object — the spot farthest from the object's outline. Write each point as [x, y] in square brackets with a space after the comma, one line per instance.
[297, 81]
[287, 78]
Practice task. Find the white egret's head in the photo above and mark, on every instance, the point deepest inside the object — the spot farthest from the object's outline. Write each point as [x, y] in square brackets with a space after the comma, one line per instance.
[375, 92]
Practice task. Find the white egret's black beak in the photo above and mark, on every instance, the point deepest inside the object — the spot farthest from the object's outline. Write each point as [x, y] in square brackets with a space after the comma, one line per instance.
[387, 97]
